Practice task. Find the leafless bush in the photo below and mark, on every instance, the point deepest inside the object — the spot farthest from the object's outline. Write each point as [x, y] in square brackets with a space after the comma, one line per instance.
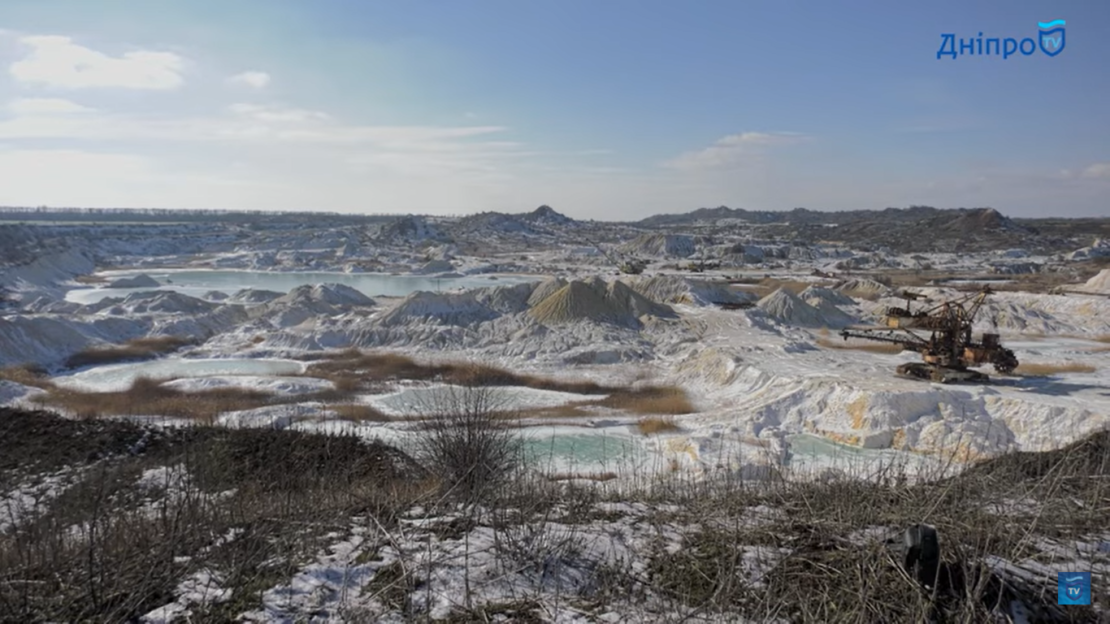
[467, 441]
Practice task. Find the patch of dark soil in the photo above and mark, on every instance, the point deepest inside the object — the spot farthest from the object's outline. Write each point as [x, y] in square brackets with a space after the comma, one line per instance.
[41, 441]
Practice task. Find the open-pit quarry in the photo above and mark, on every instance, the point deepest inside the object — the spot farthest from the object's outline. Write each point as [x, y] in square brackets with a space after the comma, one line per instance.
[234, 419]
[745, 363]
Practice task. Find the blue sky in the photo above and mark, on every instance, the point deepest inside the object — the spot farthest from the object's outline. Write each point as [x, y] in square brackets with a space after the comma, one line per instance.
[610, 110]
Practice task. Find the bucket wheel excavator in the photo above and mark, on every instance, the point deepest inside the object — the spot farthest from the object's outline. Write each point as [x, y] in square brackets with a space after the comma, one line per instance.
[948, 352]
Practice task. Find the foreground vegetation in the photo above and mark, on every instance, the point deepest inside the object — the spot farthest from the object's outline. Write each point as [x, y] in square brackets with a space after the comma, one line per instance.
[135, 519]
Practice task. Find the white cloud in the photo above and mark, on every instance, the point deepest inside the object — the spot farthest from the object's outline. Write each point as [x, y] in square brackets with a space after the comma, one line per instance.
[46, 106]
[254, 79]
[59, 62]
[277, 113]
[732, 149]
[271, 126]
[1098, 170]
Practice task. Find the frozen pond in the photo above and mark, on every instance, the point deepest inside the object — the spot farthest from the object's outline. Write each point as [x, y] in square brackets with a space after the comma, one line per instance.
[198, 282]
[812, 454]
[584, 450]
[116, 377]
[431, 399]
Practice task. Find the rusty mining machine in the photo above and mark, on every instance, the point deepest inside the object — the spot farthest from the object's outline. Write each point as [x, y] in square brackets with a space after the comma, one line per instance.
[949, 352]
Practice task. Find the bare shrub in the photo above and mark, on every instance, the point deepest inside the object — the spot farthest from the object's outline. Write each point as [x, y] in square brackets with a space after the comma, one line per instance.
[467, 442]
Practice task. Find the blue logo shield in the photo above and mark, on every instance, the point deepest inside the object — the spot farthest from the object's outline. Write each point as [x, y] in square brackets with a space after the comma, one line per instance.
[1052, 41]
[1074, 588]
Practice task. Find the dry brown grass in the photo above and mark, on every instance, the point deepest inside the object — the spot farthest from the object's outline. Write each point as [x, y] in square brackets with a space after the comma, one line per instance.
[667, 400]
[873, 347]
[27, 375]
[352, 364]
[147, 396]
[359, 412]
[653, 425]
[132, 350]
[651, 400]
[1044, 370]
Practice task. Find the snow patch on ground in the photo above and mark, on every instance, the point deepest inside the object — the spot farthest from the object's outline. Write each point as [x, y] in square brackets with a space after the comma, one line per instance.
[284, 386]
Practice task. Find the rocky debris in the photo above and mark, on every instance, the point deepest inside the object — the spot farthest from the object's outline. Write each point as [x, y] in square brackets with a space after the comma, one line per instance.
[44, 304]
[338, 295]
[793, 310]
[815, 294]
[163, 302]
[307, 301]
[661, 245]
[461, 309]
[864, 287]
[435, 266]
[215, 295]
[506, 299]
[541, 222]
[495, 222]
[674, 289]
[442, 252]
[141, 280]
[254, 295]
[411, 229]
[1100, 249]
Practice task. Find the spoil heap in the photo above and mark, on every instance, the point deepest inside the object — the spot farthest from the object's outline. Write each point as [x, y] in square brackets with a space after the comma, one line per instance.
[682, 290]
[1099, 283]
[594, 300]
[792, 310]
